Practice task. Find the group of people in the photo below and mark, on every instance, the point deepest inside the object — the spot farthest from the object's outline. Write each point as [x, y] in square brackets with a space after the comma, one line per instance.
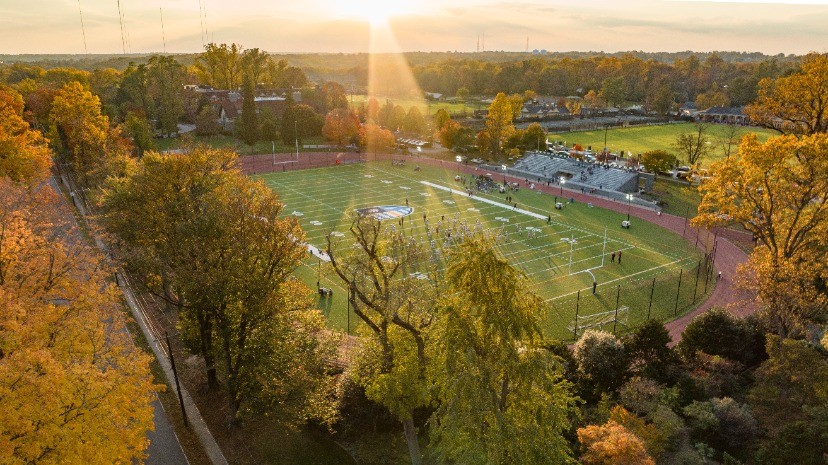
[614, 254]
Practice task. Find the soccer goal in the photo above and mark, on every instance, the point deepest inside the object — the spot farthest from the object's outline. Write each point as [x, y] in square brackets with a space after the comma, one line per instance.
[615, 317]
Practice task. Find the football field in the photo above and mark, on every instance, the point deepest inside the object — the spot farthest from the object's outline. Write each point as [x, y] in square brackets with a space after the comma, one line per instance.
[560, 251]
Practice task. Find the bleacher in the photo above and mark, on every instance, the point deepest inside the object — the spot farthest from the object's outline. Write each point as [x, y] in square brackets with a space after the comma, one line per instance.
[579, 174]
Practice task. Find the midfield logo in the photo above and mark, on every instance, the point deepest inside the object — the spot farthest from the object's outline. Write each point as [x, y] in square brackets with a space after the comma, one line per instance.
[386, 212]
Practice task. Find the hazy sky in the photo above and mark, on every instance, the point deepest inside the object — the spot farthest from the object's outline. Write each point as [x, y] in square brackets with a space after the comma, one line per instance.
[54, 26]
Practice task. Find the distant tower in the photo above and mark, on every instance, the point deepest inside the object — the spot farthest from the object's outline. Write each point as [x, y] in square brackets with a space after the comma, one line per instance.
[483, 45]
[478, 41]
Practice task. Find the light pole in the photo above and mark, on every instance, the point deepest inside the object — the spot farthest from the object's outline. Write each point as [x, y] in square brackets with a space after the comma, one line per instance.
[504, 174]
[563, 181]
[629, 205]
[459, 160]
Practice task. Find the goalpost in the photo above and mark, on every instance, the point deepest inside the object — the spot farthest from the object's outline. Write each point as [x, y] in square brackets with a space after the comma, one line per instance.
[620, 315]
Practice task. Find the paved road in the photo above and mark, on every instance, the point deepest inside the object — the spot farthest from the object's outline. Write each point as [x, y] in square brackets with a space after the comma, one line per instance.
[164, 448]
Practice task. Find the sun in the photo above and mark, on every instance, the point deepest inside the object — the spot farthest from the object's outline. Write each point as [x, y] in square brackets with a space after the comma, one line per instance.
[376, 12]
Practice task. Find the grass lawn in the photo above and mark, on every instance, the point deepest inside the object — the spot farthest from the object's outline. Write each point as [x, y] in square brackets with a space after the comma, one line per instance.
[560, 258]
[645, 138]
[428, 108]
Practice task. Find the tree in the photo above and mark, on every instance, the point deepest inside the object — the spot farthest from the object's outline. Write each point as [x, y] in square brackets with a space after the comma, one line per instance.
[82, 136]
[602, 360]
[254, 64]
[714, 97]
[341, 127]
[662, 99]
[613, 92]
[717, 332]
[611, 444]
[214, 244]
[692, 147]
[219, 66]
[648, 350]
[790, 395]
[385, 291]
[502, 397]
[776, 192]
[441, 118]
[795, 104]
[247, 127]
[140, 131]
[448, 133]
[729, 139]
[24, 155]
[414, 121]
[593, 100]
[499, 124]
[534, 138]
[300, 122]
[73, 387]
[375, 138]
[658, 161]
[165, 82]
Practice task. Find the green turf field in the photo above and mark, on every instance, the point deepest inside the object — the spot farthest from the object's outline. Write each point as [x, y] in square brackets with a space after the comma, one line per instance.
[640, 139]
[560, 258]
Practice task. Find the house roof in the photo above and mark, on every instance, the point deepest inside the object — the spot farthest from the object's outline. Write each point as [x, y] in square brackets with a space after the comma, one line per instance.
[723, 111]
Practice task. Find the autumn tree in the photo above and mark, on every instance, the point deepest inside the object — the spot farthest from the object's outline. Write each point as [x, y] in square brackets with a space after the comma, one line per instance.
[375, 138]
[73, 387]
[692, 147]
[499, 124]
[213, 243]
[797, 103]
[612, 444]
[392, 289]
[82, 137]
[341, 127]
[24, 155]
[502, 397]
[776, 191]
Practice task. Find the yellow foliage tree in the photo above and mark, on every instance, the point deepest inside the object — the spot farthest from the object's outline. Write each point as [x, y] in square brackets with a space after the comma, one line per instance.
[73, 388]
[24, 156]
[777, 191]
[795, 104]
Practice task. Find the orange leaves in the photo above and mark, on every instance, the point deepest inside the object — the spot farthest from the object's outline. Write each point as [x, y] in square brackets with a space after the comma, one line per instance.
[612, 444]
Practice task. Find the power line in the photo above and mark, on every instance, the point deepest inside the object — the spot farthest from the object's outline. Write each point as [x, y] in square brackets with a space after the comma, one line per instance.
[163, 35]
[201, 18]
[83, 29]
[121, 20]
